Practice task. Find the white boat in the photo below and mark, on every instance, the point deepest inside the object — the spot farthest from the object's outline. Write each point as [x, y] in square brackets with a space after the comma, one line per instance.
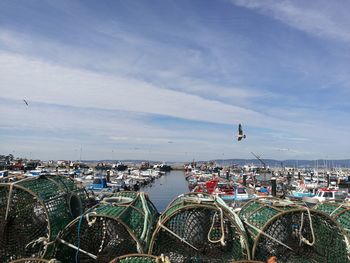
[33, 173]
[4, 173]
[329, 194]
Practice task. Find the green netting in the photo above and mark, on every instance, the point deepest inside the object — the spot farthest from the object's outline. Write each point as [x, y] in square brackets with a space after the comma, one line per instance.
[119, 225]
[199, 228]
[284, 230]
[33, 211]
[140, 258]
[339, 211]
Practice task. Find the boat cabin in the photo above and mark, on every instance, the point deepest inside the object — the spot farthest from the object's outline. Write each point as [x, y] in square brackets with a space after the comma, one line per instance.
[99, 183]
[4, 173]
[325, 194]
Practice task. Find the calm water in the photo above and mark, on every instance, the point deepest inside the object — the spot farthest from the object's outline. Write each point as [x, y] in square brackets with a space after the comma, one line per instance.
[166, 188]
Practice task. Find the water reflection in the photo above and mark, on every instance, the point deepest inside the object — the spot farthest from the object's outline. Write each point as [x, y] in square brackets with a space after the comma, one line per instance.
[165, 189]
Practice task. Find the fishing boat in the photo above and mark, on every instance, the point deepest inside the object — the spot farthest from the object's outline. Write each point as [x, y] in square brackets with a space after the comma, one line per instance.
[101, 188]
[238, 194]
[329, 194]
[33, 173]
[301, 193]
[162, 167]
[4, 173]
[226, 190]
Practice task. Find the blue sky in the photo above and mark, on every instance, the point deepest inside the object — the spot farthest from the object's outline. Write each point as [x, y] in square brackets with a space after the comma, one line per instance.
[170, 80]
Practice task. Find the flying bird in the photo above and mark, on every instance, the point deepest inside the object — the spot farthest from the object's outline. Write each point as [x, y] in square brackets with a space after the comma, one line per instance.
[26, 102]
[240, 135]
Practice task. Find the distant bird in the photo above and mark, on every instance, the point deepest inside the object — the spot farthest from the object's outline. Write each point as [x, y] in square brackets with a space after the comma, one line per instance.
[170, 142]
[26, 102]
[240, 135]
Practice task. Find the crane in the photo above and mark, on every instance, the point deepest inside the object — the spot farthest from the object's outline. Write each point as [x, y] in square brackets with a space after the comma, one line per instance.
[257, 157]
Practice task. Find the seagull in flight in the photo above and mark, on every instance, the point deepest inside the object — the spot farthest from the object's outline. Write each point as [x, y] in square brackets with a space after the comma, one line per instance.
[240, 135]
[25, 102]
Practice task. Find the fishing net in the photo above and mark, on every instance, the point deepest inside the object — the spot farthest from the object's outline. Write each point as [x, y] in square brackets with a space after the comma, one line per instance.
[140, 258]
[33, 211]
[292, 233]
[121, 224]
[339, 211]
[199, 228]
[34, 260]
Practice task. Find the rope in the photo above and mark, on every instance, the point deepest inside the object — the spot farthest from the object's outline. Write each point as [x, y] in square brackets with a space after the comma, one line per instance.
[104, 229]
[303, 239]
[176, 235]
[147, 213]
[78, 237]
[92, 221]
[198, 200]
[222, 238]
[163, 259]
[44, 240]
[236, 217]
[86, 214]
[341, 205]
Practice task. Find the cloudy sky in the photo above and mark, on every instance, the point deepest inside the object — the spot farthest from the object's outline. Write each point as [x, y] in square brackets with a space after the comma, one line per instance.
[170, 80]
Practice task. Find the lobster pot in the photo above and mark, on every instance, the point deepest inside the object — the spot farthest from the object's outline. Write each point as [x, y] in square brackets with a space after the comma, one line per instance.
[121, 224]
[34, 260]
[140, 258]
[339, 211]
[199, 228]
[33, 211]
[292, 233]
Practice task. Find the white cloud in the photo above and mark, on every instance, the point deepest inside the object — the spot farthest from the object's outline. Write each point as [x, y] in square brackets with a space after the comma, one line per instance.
[145, 81]
[319, 18]
[38, 81]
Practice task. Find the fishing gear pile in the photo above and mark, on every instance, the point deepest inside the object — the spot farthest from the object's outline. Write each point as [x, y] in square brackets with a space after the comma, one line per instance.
[199, 228]
[119, 225]
[140, 258]
[33, 211]
[339, 211]
[34, 260]
[292, 233]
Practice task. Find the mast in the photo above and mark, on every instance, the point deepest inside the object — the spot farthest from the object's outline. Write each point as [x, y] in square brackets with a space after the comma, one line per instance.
[81, 150]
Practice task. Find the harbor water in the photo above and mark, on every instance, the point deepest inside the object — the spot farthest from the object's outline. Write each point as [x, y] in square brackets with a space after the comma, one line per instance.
[166, 188]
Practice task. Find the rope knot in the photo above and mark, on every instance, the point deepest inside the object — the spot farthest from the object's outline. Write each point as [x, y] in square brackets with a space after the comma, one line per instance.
[91, 221]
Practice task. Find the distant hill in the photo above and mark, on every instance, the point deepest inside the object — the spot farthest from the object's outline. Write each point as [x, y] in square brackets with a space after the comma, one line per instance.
[287, 163]
[241, 162]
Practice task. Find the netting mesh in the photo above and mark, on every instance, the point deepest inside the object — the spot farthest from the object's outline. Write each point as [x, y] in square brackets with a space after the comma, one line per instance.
[198, 229]
[109, 230]
[288, 233]
[32, 212]
[339, 211]
[140, 258]
[33, 260]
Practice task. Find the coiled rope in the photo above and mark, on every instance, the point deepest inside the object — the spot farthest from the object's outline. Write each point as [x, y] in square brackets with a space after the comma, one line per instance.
[303, 239]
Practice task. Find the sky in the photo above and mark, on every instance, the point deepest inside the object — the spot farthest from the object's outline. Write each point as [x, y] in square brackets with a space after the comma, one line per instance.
[170, 80]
